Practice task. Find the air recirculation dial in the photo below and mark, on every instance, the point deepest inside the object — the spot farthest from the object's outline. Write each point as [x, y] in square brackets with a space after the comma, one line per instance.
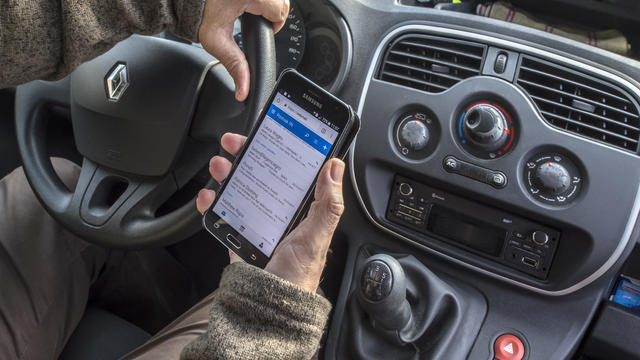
[415, 135]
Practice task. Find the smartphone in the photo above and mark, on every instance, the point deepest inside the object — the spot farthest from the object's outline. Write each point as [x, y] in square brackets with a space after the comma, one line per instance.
[272, 179]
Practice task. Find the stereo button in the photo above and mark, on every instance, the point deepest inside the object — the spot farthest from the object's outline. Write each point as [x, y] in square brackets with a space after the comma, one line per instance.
[540, 237]
[515, 243]
[405, 189]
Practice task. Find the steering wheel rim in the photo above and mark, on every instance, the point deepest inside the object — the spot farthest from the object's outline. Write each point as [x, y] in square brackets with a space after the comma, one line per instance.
[128, 220]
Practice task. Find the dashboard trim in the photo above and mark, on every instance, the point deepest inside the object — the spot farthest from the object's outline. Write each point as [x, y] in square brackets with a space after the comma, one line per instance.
[626, 236]
[347, 49]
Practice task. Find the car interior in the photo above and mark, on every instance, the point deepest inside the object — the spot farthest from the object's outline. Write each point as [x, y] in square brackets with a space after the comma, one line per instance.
[491, 196]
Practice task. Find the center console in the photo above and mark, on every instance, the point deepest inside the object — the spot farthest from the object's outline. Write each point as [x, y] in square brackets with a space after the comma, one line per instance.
[498, 156]
[495, 190]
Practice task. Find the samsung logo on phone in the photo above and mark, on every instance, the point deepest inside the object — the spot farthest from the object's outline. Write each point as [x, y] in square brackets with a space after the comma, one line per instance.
[315, 102]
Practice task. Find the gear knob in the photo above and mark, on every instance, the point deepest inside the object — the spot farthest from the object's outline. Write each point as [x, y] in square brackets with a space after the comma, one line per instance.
[382, 292]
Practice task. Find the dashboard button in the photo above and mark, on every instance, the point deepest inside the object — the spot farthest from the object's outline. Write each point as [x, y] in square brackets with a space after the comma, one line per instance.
[498, 180]
[540, 237]
[508, 347]
[405, 189]
[451, 164]
[501, 63]
[494, 178]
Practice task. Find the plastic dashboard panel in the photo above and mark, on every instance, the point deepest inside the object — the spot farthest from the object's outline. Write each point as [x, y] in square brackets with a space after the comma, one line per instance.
[596, 228]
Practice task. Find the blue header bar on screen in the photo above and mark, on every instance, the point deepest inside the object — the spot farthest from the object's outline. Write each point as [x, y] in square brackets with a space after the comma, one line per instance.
[299, 130]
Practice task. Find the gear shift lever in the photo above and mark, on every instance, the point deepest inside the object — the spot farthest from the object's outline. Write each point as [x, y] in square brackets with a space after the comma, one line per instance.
[382, 293]
[399, 309]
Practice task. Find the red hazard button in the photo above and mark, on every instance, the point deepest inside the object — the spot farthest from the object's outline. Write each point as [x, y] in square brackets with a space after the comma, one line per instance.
[508, 347]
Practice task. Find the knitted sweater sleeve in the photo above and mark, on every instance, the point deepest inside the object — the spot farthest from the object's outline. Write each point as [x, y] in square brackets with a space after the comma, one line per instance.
[256, 315]
[48, 39]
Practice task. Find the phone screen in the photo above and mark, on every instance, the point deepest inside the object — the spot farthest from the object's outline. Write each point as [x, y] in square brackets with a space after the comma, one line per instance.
[276, 171]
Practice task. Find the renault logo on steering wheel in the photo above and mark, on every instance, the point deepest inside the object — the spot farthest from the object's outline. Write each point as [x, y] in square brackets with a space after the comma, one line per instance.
[117, 82]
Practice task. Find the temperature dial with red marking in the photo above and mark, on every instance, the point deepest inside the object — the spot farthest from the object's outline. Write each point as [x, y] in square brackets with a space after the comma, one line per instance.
[486, 130]
[415, 134]
[552, 178]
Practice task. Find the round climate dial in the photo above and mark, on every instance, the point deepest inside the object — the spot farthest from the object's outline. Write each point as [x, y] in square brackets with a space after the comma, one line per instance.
[415, 135]
[552, 178]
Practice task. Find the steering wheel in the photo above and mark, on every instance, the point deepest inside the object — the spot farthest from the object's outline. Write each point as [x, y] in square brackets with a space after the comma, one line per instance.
[147, 116]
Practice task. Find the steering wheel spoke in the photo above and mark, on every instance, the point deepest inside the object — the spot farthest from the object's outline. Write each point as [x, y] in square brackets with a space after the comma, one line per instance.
[103, 195]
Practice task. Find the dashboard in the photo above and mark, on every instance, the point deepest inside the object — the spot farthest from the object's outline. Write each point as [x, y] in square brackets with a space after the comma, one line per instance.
[315, 40]
[532, 141]
[492, 199]
[503, 161]
[502, 158]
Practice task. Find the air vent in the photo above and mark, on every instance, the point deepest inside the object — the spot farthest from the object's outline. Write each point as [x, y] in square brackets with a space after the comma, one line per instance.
[429, 63]
[581, 104]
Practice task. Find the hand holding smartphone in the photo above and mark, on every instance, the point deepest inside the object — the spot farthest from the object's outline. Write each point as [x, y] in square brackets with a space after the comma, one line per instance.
[301, 127]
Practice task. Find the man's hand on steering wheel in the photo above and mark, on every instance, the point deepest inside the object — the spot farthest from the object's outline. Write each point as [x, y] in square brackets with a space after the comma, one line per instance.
[216, 33]
[301, 256]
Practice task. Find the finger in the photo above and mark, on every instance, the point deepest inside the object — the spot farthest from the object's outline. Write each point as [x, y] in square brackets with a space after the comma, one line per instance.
[227, 51]
[233, 258]
[205, 199]
[328, 205]
[233, 143]
[275, 11]
[219, 168]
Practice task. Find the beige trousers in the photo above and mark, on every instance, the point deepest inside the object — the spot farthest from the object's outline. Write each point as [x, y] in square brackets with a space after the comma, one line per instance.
[46, 275]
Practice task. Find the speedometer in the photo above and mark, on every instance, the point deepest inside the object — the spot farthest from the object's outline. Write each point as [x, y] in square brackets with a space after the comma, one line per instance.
[290, 41]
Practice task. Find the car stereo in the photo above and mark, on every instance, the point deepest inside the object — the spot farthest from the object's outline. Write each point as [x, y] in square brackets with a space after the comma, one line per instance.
[492, 233]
